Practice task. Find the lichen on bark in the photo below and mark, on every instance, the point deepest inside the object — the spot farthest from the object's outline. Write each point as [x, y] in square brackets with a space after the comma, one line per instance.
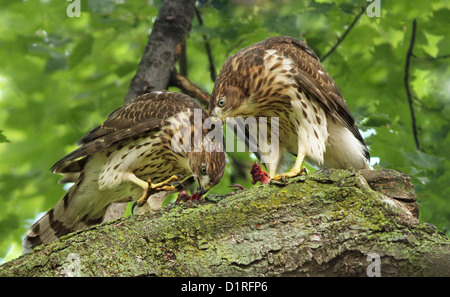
[322, 224]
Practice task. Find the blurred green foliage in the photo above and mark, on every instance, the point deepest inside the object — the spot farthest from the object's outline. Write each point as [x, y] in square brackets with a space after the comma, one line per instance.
[61, 76]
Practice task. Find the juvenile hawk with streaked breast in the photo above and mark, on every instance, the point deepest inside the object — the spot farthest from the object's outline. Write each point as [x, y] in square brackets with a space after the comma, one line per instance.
[282, 77]
[130, 157]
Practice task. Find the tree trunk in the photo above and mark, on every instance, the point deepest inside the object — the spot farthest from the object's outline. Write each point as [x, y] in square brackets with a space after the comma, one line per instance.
[164, 45]
[328, 223]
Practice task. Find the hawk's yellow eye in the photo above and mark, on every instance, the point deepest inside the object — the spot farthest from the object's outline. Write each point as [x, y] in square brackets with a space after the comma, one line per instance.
[203, 170]
[221, 102]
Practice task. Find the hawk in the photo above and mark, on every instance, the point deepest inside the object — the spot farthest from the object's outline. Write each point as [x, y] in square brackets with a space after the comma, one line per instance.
[282, 78]
[130, 157]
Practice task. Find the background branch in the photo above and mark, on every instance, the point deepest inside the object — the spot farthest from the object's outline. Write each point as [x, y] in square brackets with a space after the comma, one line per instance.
[212, 67]
[182, 82]
[350, 27]
[164, 45]
[183, 62]
[407, 87]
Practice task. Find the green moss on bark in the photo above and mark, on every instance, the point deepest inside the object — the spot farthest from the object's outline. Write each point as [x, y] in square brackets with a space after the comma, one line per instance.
[323, 224]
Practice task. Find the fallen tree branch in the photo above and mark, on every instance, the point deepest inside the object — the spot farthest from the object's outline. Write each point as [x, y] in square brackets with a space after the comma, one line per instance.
[323, 224]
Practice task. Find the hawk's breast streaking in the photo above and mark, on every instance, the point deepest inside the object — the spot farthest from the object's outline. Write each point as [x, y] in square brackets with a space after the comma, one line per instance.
[282, 77]
[115, 161]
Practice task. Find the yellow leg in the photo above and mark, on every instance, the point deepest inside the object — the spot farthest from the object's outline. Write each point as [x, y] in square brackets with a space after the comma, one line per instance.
[164, 184]
[296, 170]
[150, 188]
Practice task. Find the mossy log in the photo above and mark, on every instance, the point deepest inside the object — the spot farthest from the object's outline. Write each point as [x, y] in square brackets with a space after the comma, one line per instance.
[322, 224]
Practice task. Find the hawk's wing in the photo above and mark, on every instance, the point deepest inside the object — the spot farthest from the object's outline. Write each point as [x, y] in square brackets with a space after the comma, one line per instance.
[316, 81]
[143, 115]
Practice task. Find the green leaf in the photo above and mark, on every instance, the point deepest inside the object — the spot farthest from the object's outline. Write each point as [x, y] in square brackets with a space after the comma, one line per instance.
[348, 8]
[81, 50]
[423, 160]
[377, 120]
[125, 68]
[432, 48]
[103, 7]
[3, 137]
[321, 7]
[56, 62]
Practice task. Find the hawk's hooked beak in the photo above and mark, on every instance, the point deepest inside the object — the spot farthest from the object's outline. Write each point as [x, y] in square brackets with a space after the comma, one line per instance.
[217, 112]
[202, 190]
[216, 119]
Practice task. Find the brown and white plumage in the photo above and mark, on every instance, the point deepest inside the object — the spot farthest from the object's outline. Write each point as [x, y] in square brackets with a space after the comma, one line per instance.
[116, 159]
[282, 77]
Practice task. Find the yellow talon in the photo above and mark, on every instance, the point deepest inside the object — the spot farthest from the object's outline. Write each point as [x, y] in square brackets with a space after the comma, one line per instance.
[151, 189]
[166, 188]
[163, 183]
[290, 174]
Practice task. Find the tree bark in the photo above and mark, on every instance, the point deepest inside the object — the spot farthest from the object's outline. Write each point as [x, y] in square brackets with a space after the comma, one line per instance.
[164, 45]
[328, 223]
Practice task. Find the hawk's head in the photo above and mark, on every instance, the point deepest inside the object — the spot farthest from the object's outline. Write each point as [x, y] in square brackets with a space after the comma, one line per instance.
[227, 101]
[239, 78]
[207, 168]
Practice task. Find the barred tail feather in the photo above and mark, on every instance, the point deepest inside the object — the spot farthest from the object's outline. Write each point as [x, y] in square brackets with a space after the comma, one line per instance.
[48, 228]
[62, 219]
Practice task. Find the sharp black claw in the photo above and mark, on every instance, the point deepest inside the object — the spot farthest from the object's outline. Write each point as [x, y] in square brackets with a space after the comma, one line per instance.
[133, 207]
